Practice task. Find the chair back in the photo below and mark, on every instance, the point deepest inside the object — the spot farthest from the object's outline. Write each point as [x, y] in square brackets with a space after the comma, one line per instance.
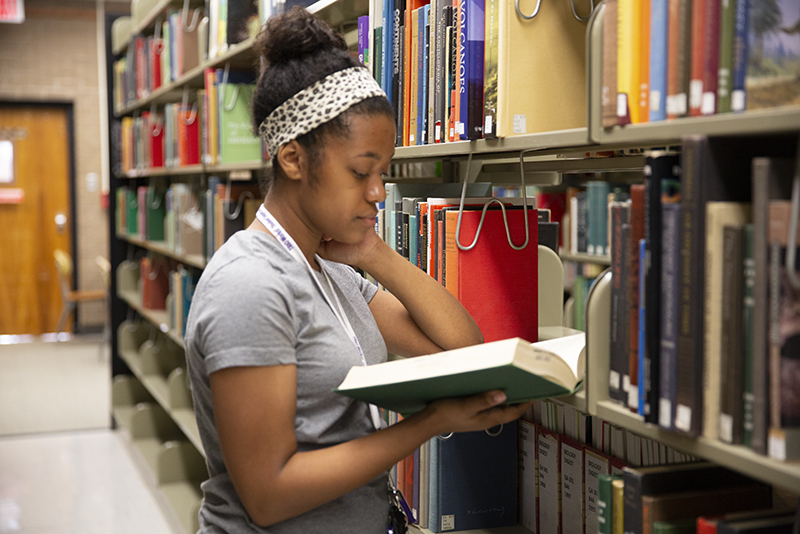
[64, 270]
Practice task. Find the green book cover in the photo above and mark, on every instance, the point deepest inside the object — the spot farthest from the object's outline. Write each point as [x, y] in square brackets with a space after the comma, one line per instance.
[749, 302]
[681, 526]
[132, 212]
[156, 213]
[236, 131]
[604, 502]
[725, 73]
[524, 371]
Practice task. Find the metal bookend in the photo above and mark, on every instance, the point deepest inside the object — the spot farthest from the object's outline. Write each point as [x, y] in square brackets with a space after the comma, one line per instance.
[153, 121]
[185, 15]
[502, 208]
[239, 203]
[539, 5]
[185, 104]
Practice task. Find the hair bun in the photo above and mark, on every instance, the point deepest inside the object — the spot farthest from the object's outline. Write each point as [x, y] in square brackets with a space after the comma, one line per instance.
[296, 34]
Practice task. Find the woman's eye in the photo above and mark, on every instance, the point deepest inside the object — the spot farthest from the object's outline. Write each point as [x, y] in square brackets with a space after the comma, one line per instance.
[360, 175]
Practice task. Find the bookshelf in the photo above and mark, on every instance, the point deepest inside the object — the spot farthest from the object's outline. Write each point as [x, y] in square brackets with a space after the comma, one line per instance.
[553, 154]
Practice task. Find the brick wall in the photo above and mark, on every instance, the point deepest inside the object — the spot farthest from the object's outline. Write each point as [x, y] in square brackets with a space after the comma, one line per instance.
[53, 57]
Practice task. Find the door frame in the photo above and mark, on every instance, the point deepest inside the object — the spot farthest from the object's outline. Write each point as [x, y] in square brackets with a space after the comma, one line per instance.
[68, 106]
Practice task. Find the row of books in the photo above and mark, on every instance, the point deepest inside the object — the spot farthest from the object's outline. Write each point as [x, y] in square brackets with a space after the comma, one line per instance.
[697, 294]
[693, 498]
[674, 58]
[466, 70]
[189, 221]
[420, 222]
[215, 129]
[540, 471]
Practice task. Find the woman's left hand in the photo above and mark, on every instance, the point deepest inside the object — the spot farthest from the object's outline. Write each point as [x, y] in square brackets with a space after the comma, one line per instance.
[348, 254]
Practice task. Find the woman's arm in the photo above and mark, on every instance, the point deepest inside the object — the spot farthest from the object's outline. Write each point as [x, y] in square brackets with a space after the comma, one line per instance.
[417, 315]
[254, 409]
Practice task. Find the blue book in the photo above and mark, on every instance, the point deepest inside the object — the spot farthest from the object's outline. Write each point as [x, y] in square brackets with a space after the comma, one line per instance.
[477, 476]
[463, 97]
[475, 68]
[422, 109]
[363, 40]
[658, 59]
[433, 487]
[387, 62]
[740, 54]
[642, 351]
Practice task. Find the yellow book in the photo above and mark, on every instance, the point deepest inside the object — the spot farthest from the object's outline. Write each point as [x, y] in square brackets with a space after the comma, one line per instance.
[618, 506]
[540, 92]
[412, 123]
[629, 52]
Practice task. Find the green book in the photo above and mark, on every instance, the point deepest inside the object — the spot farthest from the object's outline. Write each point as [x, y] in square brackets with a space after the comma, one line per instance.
[524, 371]
[132, 212]
[725, 73]
[156, 213]
[237, 142]
[749, 303]
[605, 510]
[682, 526]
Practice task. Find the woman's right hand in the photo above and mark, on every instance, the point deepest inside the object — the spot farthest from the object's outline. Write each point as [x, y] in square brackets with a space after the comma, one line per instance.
[469, 414]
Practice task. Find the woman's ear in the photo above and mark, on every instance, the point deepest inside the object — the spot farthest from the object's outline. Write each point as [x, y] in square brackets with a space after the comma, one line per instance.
[291, 158]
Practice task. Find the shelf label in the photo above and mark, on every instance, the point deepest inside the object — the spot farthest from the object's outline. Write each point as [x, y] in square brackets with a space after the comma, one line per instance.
[448, 522]
[683, 417]
[520, 124]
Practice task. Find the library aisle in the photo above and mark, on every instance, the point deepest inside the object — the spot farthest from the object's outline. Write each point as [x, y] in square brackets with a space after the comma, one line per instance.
[66, 471]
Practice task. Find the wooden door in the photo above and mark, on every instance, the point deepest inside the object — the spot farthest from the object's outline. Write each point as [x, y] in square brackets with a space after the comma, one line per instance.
[35, 216]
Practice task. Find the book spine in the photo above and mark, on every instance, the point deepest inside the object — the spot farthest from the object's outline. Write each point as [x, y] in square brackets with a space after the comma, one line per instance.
[386, 48]
[363, 42]
[698, 49]
[628, 60]
[740, 54]
[732, 356]
[490, 81]
[673, 38]
[641, 406]
[631, 379]
[397, 24]
[669, 313]
[619, 303]
[711, 66]
[475, 66]
[462, 109]
[748, 323]
[414, 79]
[659, 11]
[433, 27]
[684, 57]
[632, 502]
[439, 71]
[609, 88]
[728, 21]
[644, 63]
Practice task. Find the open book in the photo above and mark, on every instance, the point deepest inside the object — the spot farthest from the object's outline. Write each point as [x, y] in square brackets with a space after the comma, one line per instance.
[524, 371]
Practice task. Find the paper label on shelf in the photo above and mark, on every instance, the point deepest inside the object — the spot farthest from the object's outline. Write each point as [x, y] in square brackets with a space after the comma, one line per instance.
[448, 522]
[520, 124]
[726, 427]
[683, 417]
[438, 133]
[709, 103]
[680, 104]
[665, 412]
[487, 125]
[412, 139]
[655, 100]
[633, 397]
[738, 100]
[613, 379]
[696, 93]
[777, 445]
[460, 128]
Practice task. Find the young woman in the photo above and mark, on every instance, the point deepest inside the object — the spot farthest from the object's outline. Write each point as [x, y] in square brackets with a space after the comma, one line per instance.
[279, 316]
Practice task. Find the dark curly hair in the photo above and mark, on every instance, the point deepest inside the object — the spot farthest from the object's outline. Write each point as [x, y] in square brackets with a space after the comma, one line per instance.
[300, 49]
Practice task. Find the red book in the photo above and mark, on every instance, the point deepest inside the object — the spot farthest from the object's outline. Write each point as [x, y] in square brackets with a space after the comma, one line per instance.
[699, 29]
[155, 129]
[496, 284]
[188, 137]
[155, 284]
[156, 47]
[141, 68]
[711, 57]
[673, 40]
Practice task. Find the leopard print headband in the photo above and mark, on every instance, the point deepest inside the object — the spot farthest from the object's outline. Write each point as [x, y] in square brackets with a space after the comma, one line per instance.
[317, 104]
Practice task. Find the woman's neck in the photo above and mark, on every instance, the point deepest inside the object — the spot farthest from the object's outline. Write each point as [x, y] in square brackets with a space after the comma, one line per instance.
[288, 216]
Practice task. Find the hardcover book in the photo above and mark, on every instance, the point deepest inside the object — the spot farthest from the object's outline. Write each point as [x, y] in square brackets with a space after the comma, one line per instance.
[524, 371]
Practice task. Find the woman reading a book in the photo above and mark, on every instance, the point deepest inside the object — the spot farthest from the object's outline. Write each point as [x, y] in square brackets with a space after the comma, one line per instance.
[278, 316]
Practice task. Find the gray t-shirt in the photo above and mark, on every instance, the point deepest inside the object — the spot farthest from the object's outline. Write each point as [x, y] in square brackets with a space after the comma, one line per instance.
[256, 305]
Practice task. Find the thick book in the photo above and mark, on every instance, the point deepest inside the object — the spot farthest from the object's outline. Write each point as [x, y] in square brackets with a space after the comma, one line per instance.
[718, 215]
[540, 92]
[477, 487]
[771, 180]
[670, 274]
[573, 486]
[783, 335]
[699, 28]
[620, 307]
[528, 479]
[524, 371]
[636, 234]
[712, 171]
[605, 509]
[732, 348]
[629, 15]
[726, 38]
[643, 94]
[711, 44]
[740, 54]
[475, 66]
[747, 335]
[549, 446]
[491, 37]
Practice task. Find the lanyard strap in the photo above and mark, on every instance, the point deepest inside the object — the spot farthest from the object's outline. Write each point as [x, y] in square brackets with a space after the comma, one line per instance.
[283, 237]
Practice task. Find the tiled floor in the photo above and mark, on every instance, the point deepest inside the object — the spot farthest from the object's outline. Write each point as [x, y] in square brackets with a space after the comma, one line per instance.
[62, 469]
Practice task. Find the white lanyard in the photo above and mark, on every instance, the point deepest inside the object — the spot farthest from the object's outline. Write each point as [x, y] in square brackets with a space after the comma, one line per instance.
[283, 237]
